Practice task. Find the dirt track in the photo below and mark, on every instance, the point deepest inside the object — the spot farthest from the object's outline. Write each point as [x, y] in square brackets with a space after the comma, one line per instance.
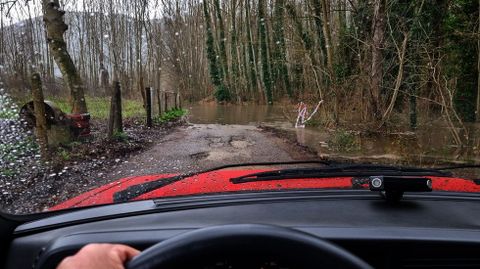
[201, 146]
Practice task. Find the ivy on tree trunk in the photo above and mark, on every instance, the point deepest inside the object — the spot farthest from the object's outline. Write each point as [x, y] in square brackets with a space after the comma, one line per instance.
[280, 70]
[216, 75]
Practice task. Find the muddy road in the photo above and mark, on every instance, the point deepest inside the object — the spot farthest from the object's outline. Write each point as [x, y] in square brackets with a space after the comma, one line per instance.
[197, 147]
[181, 148]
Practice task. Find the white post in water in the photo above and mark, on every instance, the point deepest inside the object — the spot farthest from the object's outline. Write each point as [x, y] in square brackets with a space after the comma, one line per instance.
[303, 113]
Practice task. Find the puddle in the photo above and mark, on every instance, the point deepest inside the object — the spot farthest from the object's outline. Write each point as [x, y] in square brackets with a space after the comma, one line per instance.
[200, 155]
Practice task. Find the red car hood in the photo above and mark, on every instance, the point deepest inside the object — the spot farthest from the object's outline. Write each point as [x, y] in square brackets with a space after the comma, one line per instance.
[219, 182]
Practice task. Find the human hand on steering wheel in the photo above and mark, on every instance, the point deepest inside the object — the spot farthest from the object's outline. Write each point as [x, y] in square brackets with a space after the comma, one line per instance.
[302, 249]
[100, 256]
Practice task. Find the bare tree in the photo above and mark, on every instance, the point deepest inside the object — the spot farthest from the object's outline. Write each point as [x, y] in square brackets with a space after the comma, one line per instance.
[56, 27]
[376, 75]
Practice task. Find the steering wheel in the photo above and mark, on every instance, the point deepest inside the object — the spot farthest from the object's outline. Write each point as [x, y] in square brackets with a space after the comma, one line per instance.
[191, 249]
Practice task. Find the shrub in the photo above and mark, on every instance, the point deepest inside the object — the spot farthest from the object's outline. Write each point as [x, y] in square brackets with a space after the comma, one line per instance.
[343, 141]
[169, 116]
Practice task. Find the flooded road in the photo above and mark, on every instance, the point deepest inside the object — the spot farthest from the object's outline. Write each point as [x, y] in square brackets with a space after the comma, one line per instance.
[249, 114]
[431, 143]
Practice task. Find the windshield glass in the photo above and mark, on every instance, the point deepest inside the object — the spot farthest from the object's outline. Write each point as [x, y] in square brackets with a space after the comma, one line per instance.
[97, 96]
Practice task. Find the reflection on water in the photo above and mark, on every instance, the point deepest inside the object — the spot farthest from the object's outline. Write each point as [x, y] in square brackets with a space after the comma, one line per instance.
[235, 114]
[430, 143]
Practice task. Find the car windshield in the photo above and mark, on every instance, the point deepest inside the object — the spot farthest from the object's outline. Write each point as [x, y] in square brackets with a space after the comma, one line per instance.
[100, 97]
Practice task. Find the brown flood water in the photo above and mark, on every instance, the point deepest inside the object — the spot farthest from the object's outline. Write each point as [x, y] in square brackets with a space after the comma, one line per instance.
[430, 144]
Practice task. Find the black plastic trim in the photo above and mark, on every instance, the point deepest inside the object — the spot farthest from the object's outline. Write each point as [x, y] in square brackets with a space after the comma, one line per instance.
[69, 244]
[215, 200]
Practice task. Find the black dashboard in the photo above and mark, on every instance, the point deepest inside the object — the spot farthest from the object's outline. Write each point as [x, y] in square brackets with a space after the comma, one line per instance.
[422, 231]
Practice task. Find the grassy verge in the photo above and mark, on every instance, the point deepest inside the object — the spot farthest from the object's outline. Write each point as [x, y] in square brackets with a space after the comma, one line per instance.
[99, 107]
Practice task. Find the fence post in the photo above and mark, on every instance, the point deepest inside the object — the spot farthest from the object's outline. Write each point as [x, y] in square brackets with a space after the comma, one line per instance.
[148, 107]
[176, 100]
[179, 103]
[165, 99]
[159, 101]
[118, 111]
[40, 119]
[115, 123]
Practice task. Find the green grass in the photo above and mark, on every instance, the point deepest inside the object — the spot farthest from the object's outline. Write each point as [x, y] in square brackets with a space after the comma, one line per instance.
[170, 115]
[8, 113]
[64, 154]
[99, 107]
[7, 172]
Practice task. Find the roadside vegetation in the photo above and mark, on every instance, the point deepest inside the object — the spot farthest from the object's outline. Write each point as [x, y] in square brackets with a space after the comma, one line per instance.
[343, 141]
[170, 116]
[99, 107]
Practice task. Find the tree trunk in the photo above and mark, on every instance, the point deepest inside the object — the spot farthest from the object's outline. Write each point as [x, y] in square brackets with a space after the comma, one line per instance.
[376, 75]
[308, 44]
[267, 80]
[40, 118]
[477, 111]
[328, 35]
[412, 107]
[221, 93]
[2, 45]
[223, 41]
[148, 105]
[165, 100]
[159, 102]
[399, 80]
[234, 53]
[327, 32]
[252, 58]
[279, 53]
[104, 79]
[317, 9]
[56, 27]
[115, 122]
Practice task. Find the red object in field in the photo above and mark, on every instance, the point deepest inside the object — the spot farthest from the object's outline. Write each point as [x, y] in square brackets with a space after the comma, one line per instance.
[80, 124]
[219, 182]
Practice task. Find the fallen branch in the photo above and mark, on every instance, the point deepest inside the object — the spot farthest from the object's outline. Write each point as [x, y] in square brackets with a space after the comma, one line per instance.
[303, 113]
[398, 82]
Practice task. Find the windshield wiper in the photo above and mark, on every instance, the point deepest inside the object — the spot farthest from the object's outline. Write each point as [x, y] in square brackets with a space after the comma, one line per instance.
[355, 170]
[337, 170]
[135, 191]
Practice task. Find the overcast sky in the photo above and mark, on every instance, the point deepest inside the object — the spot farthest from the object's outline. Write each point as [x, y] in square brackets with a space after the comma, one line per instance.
[23, 9]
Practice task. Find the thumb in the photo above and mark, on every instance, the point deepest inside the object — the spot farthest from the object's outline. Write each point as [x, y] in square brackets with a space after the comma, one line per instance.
[126, 253]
